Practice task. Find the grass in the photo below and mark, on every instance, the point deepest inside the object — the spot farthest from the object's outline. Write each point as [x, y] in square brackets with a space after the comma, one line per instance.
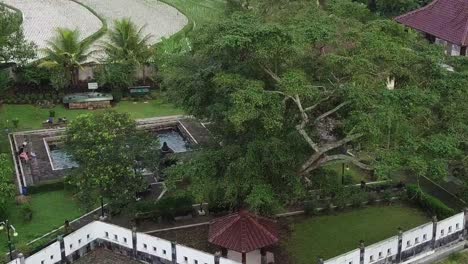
[456, 258]
[355, 173]
[333, 235]
[50, 210]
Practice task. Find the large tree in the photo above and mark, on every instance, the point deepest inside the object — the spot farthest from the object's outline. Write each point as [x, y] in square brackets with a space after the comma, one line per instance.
[300, 87]
[13, 45]
[112, 155]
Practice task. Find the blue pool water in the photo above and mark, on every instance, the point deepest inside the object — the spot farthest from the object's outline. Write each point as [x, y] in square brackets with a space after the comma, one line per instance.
[174, 140]
[62, 160]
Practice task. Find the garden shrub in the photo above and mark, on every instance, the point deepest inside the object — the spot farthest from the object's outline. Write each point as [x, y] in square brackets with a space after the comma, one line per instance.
[167, 208]
[310, 207]
[26, 212]
[51, 113]
[15, 122]
[358, 198]
[429, 203]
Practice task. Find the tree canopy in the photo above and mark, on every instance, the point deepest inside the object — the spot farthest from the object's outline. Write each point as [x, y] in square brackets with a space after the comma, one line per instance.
[13, 45]
[111, 154]
[291, 88]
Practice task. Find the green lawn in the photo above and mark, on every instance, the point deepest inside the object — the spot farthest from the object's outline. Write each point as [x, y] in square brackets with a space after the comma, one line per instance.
[50, 210]
[457, 258]
[357, 174]
[330, 236]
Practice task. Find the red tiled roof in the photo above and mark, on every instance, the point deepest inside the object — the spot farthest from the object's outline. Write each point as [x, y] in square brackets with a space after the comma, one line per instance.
[445, 19]
[243, 232]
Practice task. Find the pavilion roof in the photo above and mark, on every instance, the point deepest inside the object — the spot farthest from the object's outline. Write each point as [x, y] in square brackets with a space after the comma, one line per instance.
[243, 232]
[444, 19]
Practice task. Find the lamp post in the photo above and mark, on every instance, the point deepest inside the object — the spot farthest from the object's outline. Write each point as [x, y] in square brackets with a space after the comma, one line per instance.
[8, 226]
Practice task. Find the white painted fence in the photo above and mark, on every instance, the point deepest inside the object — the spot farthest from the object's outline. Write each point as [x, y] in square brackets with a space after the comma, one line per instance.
[123, 237]
[408, 245]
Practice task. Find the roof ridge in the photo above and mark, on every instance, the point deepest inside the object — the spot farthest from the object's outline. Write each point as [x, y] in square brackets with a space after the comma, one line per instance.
[417, 10]
[268, 232]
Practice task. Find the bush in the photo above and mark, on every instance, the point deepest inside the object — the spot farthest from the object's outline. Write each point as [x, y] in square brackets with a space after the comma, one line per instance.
[168, 208]
[26, 212]
[358, 198]
[15, 122]
[310, 207]
[117, 94]
[48, 187]
[429, 203]
[51, 113]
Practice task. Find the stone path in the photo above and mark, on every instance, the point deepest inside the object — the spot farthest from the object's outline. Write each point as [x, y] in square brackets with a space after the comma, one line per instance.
[42, 17]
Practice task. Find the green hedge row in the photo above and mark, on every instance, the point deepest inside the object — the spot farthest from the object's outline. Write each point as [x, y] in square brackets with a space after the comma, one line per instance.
[429, 203]
[58, 185]
[167, 208]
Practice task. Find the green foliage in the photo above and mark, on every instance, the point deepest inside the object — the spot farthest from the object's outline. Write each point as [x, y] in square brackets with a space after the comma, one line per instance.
[27, 212]
[111, 154]
[5, 83]
[429, 203]
[167, 208]
[118, 76]
[7, 187]
[65, 54]
[13, 45]
[48, 187]
[32, 75]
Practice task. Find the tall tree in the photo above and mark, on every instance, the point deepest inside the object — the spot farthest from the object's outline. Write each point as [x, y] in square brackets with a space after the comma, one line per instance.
[13, 45]
[128, 45]
[314, 86]
[111, 154]
[66, 54]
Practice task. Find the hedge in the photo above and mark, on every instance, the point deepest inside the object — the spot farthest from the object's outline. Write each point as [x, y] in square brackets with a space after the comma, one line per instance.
[168, 208]
[429, 203]
[58, 185]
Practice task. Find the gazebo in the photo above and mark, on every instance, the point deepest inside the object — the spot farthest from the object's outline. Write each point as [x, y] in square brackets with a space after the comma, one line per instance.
[442, 21]
[244, 236]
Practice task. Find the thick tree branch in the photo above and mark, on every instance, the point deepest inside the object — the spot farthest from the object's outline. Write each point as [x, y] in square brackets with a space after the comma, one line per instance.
[322, 116]
[337, 158]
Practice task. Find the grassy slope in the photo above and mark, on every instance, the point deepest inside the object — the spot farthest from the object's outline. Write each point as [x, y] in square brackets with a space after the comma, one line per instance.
[329, 236]
[50, 210]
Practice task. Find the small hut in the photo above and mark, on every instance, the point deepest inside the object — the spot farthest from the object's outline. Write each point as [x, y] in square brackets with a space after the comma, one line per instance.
[443, 22]
[244, 237]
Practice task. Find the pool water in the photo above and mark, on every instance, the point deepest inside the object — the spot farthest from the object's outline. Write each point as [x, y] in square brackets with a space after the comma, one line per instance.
[174, 140]
[62, 160]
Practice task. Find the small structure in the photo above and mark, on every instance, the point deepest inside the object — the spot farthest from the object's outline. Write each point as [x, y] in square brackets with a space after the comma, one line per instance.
[139, 91]
[90, 100]
[244, 236]
[443, 22]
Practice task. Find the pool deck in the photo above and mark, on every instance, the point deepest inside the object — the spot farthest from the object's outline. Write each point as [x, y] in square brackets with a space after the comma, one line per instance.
[39, 170]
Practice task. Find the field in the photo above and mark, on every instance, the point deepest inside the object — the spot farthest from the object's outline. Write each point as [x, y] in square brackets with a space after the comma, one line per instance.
[50, 210]
[331, 235]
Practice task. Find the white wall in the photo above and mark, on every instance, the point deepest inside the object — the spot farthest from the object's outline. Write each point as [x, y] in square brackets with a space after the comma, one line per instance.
[450, 225]
[192, 255]
[381, 250]
[115, 234]
[154, 246]
[15, 261]
[80, 238]
[352, 257]
[227, 261]
[48, 255]
[416, 236]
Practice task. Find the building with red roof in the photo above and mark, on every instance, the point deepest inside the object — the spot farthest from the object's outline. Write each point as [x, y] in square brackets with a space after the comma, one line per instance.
[442, 21]
[243, 232]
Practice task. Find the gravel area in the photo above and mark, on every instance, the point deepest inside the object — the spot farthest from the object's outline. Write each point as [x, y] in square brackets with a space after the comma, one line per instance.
[160, 20]
[42, 17]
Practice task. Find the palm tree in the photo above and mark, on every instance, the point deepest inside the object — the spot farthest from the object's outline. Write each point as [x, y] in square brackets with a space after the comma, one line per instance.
[66, 52]
[128, 44]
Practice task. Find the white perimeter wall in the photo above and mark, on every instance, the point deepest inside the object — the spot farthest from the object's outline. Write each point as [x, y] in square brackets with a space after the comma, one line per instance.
[50, 255]
[351, 257]
[416, 236]
[227, 261]
[186, 255]
[115, 234]
[450, 225]
[154, 246]
[381, 250]
[79, 238]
